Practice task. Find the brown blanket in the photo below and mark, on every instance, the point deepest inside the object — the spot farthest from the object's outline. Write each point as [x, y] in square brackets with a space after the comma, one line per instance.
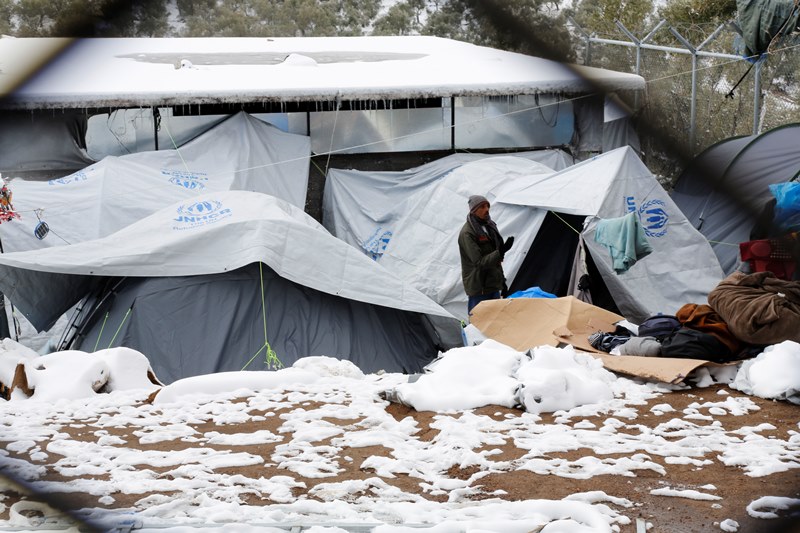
[758, 308]
[704, 318]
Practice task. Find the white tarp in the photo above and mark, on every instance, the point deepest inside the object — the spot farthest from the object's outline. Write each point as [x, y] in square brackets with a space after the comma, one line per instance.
[682, 267]
[240, 153]
[424, 248]
[363, 207]
[219, 232]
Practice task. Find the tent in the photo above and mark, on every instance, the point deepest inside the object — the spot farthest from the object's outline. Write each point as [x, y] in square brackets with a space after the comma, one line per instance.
[547, 212]
[240, 153]
[419, 224]
[363, 207]
[205, 284]
[725, 188]
[681, 269]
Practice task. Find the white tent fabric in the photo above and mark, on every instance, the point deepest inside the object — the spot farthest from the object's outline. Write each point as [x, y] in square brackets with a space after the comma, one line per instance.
[223, 231]
[426, 219]
[363, 208]
[424, 248]
[682, 267]
[240, 153]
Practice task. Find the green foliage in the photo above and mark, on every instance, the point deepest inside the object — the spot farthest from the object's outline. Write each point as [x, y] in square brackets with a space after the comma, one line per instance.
[600, 16]
[271, 18]
[90, 18]
[403, 18]
[6, 12]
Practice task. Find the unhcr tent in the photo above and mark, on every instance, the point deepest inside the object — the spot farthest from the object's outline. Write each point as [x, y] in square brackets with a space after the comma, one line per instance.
[682, 267]
[240, 153]
[418, 243]
[547, 212]
[363, 207]
[725, 188]
[210, 283]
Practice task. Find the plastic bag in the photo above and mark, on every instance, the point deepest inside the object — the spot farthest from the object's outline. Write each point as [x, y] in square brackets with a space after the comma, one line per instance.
[787, 208]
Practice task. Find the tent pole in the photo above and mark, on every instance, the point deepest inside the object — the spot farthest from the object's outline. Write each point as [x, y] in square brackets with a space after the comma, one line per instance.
[453, 123]
[5, 331]
[156, 125]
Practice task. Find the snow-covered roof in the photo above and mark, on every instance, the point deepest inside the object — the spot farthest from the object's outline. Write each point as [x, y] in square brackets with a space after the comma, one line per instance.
[145, 72]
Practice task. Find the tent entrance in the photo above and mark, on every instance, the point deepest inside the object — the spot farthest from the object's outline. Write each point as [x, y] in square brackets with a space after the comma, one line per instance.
[548, 262]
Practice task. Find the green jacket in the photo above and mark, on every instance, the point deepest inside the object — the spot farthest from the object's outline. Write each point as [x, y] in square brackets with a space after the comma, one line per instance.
[481, 269]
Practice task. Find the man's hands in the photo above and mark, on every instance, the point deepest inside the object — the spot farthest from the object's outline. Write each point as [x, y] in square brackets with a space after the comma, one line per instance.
[507, 245]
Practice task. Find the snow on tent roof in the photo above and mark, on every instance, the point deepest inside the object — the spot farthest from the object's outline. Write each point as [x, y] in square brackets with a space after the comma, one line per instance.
[726, 186]
[144, 72]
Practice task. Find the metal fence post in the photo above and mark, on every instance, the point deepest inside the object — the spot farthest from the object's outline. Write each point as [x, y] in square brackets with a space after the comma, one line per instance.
[693, 103]
[757, 97]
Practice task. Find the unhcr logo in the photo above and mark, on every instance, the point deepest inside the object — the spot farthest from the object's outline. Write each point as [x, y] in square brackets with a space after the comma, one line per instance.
[72, 178]
[652, 214]
[200, 213]
[194, 181]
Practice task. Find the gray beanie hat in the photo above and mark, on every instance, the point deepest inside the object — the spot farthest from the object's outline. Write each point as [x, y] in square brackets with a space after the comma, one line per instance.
[476, 200]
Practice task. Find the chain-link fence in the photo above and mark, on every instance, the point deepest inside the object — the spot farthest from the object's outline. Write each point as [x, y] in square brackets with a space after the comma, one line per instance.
[722, 103]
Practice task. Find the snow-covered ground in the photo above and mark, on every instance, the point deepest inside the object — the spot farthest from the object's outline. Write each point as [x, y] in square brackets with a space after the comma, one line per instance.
[181, 463]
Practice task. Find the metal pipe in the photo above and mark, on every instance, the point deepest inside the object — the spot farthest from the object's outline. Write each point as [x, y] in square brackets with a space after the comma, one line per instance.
[757, 98]
[693, 102]
[676, 50]
[633, 38]
[712, 36]
[654, 30]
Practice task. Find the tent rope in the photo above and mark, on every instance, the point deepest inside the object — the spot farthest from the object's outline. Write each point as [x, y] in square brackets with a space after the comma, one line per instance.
[272, 360]
[127, 313]
[565, 222]
[174, 144]
[333, 133]
[99, 335]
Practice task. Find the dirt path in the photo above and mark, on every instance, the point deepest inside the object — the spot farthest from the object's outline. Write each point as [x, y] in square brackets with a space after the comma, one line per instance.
[667, 514]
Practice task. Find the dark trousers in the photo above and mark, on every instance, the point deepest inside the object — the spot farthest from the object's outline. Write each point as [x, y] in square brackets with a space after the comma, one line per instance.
[475, 300]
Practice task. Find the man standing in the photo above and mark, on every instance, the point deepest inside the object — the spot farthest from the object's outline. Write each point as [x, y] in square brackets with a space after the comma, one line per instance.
[482, 252]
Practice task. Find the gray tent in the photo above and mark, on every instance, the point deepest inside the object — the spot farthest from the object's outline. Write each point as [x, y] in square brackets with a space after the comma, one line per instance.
[202, 286]
[725, 188]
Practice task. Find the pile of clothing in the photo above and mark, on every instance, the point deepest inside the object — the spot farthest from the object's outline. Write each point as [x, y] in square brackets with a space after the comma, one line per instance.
[744, 313]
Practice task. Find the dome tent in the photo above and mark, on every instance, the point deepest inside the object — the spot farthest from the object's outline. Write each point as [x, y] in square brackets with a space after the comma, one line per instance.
[200, 286]
[725, 188]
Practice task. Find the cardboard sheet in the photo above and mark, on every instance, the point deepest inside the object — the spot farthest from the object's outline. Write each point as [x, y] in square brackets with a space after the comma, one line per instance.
[524, 323]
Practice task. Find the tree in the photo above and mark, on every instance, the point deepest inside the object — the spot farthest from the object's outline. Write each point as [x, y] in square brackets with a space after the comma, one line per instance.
[6, 14]
[600, 16]
[271, 18]
[400, 19]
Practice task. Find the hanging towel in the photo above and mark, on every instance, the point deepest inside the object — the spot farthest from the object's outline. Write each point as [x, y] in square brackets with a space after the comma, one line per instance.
[624, 237]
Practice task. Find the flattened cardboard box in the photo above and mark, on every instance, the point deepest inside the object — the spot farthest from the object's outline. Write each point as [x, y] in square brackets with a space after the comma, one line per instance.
[525, 323]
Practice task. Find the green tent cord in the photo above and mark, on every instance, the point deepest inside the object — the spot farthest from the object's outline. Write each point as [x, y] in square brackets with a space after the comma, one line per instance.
[128, 312]
[272, 360]
[101, 332]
